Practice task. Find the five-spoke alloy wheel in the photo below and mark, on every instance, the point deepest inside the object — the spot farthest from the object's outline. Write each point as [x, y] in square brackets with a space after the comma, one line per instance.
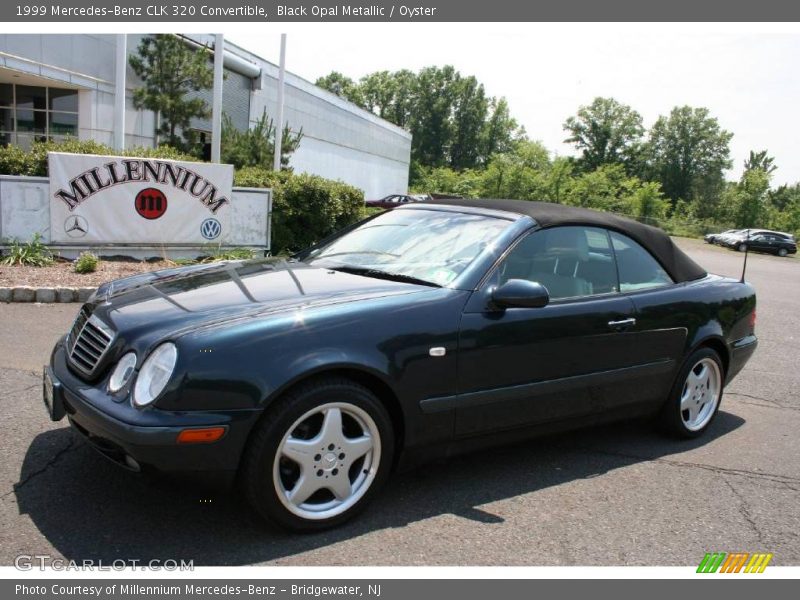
[327, 460]
[696, 395]
[319, 454]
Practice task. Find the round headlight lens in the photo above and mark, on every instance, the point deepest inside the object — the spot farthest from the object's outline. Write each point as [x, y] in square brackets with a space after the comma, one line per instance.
[154, 374]
[122, 373]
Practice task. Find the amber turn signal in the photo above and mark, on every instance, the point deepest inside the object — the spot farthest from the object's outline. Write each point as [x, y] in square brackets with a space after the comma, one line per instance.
[200, 436]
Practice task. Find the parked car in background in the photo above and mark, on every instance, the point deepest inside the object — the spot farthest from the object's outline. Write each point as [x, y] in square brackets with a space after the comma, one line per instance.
[436, 328]
[713, 238]
[773, 242]
[394, 200]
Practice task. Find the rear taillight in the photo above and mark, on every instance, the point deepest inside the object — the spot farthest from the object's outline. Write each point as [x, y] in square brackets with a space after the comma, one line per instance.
[753, 320]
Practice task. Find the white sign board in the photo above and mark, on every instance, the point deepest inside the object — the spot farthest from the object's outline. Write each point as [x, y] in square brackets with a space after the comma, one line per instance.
[126, 200]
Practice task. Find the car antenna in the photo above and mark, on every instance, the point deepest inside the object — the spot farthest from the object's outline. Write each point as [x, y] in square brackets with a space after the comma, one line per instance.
[746, 252]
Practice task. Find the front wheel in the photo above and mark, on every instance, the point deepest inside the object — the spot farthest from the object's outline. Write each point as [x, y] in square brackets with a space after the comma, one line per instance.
[742, 247]
[318, 456]
[695, 396]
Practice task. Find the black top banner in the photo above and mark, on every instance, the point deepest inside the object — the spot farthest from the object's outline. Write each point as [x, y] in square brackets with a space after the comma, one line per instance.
[413, 11]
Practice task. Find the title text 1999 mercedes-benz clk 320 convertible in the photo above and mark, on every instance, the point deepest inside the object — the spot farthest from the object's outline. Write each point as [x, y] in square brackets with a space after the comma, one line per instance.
[419, 332]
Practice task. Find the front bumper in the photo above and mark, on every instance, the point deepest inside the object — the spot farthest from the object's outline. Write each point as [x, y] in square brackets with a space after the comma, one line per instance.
[146, 439]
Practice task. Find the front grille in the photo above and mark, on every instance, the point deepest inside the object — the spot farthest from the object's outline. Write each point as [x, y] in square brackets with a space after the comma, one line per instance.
[88, 342]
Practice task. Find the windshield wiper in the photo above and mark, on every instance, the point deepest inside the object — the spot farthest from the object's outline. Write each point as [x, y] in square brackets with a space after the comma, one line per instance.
[378, 274]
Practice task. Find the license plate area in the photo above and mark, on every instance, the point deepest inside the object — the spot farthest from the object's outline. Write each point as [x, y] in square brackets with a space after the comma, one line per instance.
[51, 393]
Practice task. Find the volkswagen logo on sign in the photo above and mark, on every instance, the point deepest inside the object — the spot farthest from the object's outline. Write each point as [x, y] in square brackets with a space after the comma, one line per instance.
[210, 229]
[76, 226]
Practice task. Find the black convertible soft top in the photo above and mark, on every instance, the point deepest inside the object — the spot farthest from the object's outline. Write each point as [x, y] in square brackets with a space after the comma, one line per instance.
[548, 214]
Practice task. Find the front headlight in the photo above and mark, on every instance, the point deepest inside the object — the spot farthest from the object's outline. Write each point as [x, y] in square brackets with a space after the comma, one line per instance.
[122, 373]
[154, 374]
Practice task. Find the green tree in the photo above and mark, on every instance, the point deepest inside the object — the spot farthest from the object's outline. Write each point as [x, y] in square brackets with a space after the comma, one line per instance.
[405, 97]
[470, 108]
[784, 196]
[606, 132]
[377, 92]
[451, 120]
[760, 160]
[788, 217]
[171, 72]
[752, 206]
[256, 146]
[648, 203]
[500, 131]
[431, 124]
[444, 180]
[342, 86]
[608, 188]
[688, 152]
[520, 175]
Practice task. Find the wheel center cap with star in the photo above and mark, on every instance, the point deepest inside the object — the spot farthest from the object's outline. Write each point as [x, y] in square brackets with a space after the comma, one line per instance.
[329, 461]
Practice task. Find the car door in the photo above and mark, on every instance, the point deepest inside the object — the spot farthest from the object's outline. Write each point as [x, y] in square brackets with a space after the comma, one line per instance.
[760, 242]
[525, 366]
[662, 316]
[775, 243]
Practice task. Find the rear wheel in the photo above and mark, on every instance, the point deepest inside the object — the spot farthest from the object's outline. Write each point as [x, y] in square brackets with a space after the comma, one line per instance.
[319, 455]
[782, 252]
[696, 395]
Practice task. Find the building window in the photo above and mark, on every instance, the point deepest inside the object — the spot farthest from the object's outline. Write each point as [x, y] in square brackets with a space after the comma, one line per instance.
[30, 113]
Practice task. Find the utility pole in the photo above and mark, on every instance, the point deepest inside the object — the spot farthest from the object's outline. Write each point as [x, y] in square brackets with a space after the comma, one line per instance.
[216, 107]
[119, 91]
[276, 164]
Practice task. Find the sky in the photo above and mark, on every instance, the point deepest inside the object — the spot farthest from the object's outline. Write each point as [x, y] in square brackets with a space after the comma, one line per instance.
[747, 75]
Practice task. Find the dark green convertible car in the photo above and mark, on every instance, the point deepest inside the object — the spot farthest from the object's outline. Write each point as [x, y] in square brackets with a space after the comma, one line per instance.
[428, 330]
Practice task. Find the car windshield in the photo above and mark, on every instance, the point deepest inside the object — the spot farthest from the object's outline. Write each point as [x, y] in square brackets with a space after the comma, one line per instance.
[426, 246]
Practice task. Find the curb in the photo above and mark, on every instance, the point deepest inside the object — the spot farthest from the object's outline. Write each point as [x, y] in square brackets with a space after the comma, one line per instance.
[45, 295]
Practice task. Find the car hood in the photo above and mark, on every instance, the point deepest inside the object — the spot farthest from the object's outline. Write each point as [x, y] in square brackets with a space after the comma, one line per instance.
[178, 300]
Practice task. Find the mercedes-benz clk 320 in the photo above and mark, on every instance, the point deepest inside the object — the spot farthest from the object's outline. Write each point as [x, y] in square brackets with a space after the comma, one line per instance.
[414, 334]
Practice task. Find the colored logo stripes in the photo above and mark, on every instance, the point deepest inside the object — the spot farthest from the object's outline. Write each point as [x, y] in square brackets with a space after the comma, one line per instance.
[734, 562]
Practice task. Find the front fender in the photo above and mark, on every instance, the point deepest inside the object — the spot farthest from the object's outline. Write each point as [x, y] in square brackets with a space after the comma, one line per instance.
[249, 365]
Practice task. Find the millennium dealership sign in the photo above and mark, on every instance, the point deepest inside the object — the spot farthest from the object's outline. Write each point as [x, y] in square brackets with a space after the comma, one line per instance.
[123, 200]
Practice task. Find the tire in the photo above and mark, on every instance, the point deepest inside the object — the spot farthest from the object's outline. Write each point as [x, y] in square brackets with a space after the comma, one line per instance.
[685, 413]
[333, 436]
[741, 247]
[782, 252]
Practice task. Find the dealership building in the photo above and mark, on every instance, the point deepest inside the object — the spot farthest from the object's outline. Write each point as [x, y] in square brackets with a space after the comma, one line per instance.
[54, 86]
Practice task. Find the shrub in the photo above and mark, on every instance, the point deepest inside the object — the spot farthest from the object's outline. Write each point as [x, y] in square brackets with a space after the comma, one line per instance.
[16, 161]
[30, 254]
[217, 253]
[305, 208]
[86, 263]
[164, 152]
[256, 146]
[260, 177]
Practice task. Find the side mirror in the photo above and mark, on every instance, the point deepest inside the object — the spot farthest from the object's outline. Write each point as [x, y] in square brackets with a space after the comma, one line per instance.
[520, 293]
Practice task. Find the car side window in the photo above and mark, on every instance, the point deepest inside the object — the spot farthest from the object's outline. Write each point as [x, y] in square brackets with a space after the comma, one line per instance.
[570, 262]
[638, 270]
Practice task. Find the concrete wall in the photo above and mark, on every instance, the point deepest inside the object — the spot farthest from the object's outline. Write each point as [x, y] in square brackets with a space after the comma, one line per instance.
[25, 210]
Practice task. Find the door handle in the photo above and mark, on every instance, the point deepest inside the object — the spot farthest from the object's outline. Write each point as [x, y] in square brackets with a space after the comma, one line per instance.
[623, 324]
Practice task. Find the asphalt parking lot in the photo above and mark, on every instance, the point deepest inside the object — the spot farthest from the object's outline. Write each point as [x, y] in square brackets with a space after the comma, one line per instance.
[618, 495]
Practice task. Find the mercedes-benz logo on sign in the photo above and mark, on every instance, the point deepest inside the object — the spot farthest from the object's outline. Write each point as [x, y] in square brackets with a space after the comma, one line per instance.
[210, 229]
[76, 226]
